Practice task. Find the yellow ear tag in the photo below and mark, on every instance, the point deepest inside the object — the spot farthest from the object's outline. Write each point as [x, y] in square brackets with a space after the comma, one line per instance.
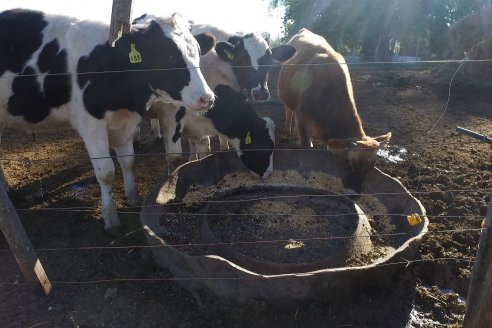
[414, 219]
[247, 141]
[135, 56]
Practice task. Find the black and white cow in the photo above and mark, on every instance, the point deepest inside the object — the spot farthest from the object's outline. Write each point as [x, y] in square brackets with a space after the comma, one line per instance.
[228, 69]
[57, 70]
[250, 57]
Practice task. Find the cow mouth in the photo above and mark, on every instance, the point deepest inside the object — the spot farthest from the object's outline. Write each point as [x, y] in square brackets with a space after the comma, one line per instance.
[260, 95]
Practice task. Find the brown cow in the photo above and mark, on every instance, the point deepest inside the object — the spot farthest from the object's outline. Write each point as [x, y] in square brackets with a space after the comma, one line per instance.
[316, 89]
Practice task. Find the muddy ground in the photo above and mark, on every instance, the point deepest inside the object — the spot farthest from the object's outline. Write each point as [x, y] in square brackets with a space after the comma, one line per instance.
[53, 187]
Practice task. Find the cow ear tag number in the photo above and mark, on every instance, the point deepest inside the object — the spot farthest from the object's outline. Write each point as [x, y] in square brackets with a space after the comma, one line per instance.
[135, 56]
[247, 141]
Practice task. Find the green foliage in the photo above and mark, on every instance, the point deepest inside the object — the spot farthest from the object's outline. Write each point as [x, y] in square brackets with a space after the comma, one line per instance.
[379, 27]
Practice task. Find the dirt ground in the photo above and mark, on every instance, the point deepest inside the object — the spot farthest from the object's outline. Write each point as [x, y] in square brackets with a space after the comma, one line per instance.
[54, 189]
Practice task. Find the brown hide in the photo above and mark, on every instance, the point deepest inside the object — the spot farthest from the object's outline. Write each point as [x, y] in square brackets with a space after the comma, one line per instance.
[316, 89]
[316, 85]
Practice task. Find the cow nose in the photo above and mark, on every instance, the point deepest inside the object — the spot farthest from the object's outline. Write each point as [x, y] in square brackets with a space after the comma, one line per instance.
[260, 95]
[206, 100]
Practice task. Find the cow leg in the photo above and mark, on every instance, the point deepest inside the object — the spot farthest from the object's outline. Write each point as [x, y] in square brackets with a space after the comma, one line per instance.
[289, 115]
[155, 128]
[303, 132]
[172, 133]
[137, 135]
[202, 146]
[290, 129]
[193, 152]
[95, 137]
[223, 142]
[126, 157]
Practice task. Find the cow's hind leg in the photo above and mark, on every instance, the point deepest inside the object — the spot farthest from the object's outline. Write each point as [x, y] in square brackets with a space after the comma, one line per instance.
[289, 115]
[289, 126]
[125, 156]
[303, 131]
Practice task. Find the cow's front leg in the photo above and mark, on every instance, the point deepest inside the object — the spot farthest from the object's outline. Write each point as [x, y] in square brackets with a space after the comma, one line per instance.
[104, 169]
[223, 142]
[193, 152]
[155, 128]
[126, 157]
[202, 146]
[172, 121]
[95, 137]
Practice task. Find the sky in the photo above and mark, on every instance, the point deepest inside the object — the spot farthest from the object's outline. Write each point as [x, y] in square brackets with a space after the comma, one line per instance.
[229, 15]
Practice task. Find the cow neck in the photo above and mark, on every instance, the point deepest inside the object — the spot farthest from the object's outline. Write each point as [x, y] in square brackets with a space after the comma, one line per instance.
[232, 115]
[126, 88]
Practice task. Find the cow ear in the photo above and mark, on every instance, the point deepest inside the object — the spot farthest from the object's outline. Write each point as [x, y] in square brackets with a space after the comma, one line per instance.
[283, 52]
[206, 41]
[338, 144]
[225, 51]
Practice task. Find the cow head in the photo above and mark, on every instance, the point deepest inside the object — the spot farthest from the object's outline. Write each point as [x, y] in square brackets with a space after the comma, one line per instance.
[251, 59]
[358, 157]
[171, 55]
[256, 147]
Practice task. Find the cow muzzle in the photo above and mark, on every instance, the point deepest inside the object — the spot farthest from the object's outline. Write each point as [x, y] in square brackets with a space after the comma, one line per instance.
[260, 94]
[204, 102]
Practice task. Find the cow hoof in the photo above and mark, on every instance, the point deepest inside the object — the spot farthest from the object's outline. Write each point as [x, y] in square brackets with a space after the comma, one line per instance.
[133, 200]
[113, 232]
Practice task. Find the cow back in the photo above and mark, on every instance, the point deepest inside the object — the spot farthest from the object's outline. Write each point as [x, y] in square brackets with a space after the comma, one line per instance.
[316, 84]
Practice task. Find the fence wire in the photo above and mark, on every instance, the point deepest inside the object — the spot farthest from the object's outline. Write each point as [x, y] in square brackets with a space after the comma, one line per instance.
[128, 210]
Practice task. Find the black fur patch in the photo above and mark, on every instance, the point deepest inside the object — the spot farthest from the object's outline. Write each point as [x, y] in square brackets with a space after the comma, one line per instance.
[130, 89]
[27, 95]
[265, 63]
[233, 116]
[242, 67]
[20, 36]
[57, 85]
[179, 116]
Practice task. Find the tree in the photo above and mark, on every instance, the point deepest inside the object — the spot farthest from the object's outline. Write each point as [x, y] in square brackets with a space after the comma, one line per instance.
[379, 27]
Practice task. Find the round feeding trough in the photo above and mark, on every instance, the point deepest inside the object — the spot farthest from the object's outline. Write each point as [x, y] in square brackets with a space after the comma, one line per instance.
[286, 239]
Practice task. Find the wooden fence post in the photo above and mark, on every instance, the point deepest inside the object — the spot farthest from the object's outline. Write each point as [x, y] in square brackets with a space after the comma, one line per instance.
[479, 311]
[21, 246]
[120, 19]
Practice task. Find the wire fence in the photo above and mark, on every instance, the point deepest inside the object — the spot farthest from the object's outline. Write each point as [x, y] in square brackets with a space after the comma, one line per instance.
[243, 278]
[136, 210]
[239, 242]
[147, 154]
[443, 61]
